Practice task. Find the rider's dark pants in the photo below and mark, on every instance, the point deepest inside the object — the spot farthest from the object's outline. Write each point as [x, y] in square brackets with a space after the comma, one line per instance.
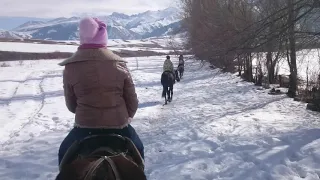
[81, 133]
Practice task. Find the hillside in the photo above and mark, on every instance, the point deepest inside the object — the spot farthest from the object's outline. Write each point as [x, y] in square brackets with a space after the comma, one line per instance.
[120, 26]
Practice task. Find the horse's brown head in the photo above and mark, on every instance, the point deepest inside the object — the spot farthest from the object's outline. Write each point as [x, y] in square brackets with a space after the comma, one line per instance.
[102, 163]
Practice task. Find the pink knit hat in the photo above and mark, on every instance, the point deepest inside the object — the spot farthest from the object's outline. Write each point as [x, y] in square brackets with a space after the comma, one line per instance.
[93, 31]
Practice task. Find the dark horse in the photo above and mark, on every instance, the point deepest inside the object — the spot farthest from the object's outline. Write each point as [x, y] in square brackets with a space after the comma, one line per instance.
[181, 70]
[167, 81]
[97, 157]
[176, 73]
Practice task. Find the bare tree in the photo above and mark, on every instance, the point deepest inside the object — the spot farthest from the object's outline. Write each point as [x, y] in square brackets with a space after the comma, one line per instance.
[229, 33]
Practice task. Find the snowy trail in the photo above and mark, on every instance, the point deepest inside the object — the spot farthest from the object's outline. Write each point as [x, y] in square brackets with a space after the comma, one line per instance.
[217, 126]
[24, 104]
[31, 97]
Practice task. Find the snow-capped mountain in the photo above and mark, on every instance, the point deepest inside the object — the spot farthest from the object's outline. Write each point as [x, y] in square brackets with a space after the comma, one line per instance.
[13, 35]
[120, 26]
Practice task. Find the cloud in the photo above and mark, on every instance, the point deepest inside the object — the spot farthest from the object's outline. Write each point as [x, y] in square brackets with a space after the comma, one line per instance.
[67, 8]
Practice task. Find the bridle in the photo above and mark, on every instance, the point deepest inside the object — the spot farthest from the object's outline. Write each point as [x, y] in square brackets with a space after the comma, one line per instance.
[93, 167]
[101, 157]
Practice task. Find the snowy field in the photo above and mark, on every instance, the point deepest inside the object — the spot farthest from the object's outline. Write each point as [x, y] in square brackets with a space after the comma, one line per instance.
[36, 48]
[308, 64]
[157, 45]
[161, 41]
[216, 128]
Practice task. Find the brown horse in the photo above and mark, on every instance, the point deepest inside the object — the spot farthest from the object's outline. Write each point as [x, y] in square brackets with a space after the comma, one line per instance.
[181, 70]
[111, 157]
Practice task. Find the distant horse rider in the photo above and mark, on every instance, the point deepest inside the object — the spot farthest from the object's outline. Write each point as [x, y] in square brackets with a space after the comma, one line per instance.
[181, 61]
[181, 66]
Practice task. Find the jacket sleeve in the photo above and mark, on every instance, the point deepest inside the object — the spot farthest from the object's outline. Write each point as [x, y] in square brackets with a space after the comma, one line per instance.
[70, 98]
[164, 66]
[171, 67]
[130, 96]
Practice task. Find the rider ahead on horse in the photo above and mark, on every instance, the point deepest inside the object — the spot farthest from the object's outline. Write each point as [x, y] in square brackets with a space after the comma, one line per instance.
[98, 89]
[168, 66]
[181, 61]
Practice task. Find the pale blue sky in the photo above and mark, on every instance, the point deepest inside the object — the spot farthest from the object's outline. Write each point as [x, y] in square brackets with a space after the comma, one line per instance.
[8, 23]
[16, 12]
[67, 8]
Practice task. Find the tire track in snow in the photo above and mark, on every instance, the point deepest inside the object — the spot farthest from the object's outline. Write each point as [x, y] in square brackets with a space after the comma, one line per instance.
[252, 108]
[182, 129]
[170, 109]
[31, 118]
[28, 78]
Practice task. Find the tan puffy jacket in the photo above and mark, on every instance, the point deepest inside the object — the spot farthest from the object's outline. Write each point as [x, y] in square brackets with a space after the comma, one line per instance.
[99, 89]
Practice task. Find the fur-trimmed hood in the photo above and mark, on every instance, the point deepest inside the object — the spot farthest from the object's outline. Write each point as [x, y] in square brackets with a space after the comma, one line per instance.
[101, 54]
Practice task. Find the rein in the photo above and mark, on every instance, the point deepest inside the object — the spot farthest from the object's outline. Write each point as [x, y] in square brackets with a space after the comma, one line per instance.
[97, 163]
[102, 157]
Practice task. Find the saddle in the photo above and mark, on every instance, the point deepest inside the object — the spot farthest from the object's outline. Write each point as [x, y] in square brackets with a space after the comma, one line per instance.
[168, 73]
[115, 153]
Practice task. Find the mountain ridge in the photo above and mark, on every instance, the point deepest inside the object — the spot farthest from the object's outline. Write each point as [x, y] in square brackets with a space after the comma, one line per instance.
[120, 26]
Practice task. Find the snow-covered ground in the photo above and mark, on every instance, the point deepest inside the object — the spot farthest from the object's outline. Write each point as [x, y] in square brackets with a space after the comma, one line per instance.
[154, 44]
[43, 48]
[34, 47]
[217, 126]
[161, 41]
[308, 64]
